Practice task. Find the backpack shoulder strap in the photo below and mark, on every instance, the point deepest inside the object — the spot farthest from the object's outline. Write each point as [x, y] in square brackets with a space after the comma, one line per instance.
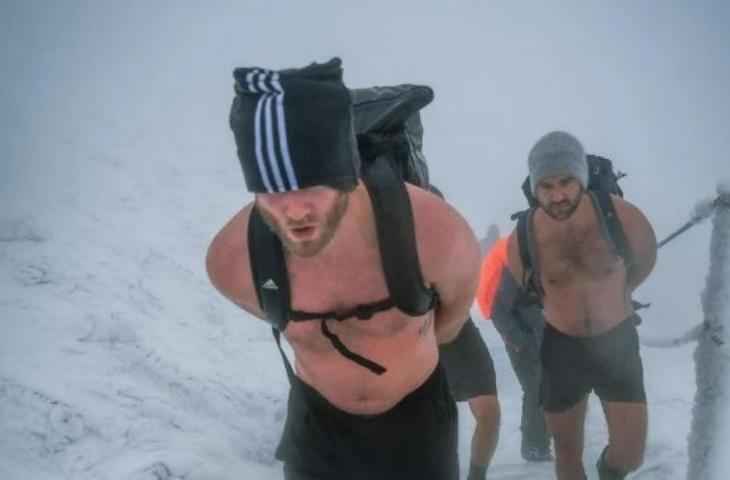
[528, 251]
[268, 268]
[610, 224]
[270, 277]
[397, 239]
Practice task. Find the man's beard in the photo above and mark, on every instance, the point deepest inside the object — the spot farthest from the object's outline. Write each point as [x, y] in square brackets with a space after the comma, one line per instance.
[327, 223]
[563, 210]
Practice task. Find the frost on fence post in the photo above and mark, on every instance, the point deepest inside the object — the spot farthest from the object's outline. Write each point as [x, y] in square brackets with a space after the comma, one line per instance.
[707, 442]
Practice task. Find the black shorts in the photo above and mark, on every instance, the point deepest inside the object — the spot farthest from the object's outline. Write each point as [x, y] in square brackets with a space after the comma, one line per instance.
[609, 364]
[416, 439]
[468, 365]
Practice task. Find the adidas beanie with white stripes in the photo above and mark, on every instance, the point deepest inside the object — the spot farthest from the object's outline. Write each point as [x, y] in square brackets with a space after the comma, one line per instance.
[294, 128]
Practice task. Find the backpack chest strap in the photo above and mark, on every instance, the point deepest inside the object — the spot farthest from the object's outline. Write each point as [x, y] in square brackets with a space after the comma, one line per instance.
[360, 312]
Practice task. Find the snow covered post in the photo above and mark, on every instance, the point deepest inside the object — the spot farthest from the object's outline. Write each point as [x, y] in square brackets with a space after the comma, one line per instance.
[707, 445]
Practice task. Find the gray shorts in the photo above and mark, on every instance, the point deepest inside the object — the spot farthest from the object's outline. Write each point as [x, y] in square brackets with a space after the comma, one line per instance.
[608, 364]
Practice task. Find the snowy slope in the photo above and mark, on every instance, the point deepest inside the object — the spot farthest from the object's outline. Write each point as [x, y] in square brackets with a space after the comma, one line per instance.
[117, 360]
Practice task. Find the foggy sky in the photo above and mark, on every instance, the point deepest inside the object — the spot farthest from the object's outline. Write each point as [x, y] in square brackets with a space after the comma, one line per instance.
[644, 83]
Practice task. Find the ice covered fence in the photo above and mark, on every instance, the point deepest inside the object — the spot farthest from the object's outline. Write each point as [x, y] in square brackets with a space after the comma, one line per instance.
[711, 421]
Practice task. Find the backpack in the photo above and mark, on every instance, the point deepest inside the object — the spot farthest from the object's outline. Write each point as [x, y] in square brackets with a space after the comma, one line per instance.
[602, 183]
[389, 135]
[387, 123]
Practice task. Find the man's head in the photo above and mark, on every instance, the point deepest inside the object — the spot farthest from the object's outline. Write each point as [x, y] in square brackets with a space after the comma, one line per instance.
[558, 173]
[305, 220]
[297, 147]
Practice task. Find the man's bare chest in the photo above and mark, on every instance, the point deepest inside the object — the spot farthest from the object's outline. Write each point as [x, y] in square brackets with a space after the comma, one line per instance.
[574, 252]
[339, 285]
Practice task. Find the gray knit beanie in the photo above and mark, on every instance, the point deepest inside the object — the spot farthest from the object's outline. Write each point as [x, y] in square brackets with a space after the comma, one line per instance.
[557, 153]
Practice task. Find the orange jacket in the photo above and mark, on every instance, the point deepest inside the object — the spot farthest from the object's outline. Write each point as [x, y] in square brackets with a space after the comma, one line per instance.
[492, 266]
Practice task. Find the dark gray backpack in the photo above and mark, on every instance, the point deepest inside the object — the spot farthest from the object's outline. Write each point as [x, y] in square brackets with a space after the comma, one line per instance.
[388, 123]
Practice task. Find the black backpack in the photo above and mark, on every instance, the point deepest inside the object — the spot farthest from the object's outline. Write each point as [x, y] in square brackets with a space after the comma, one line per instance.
[389, 134]
[602, 183]
[388, 123]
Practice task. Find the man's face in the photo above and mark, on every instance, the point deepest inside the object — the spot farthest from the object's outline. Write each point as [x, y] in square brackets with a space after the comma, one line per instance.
[305, 220]
[559, 196]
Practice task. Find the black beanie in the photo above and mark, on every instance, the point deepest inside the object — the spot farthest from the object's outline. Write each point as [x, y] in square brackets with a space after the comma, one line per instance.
[294, 128]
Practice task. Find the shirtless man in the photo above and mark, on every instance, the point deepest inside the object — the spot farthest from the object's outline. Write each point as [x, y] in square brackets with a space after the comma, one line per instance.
[590, 340]
[343, 420]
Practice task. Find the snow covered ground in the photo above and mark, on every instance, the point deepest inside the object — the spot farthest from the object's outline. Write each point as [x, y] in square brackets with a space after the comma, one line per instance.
[117, 360]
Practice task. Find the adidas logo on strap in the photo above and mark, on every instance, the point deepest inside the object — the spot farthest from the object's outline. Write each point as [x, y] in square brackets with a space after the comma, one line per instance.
[270, 285]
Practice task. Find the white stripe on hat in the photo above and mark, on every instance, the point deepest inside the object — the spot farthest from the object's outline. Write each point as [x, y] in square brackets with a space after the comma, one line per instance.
[283, 143]
[271, 103]
[257, 134]
[271, 153]
[268, 111]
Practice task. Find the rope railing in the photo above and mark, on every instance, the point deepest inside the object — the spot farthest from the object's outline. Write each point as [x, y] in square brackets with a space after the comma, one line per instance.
[703, 210]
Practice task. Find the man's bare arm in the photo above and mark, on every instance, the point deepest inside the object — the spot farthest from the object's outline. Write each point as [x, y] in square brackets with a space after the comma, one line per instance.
[449, 257]
[641, 239]
[227, 264]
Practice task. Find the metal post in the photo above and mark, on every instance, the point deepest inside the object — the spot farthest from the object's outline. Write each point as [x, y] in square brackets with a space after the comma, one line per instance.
[712, 356]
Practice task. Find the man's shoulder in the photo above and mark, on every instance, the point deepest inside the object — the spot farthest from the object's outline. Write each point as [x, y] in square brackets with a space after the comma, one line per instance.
[435, 220]
[630, 215]
[430, 208]
[227, 260]
[442, 234]
[231, 239]
[623, 206]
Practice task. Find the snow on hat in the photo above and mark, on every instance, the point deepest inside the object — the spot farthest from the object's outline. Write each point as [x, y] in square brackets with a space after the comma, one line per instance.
[294, 128]
[557, 153]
